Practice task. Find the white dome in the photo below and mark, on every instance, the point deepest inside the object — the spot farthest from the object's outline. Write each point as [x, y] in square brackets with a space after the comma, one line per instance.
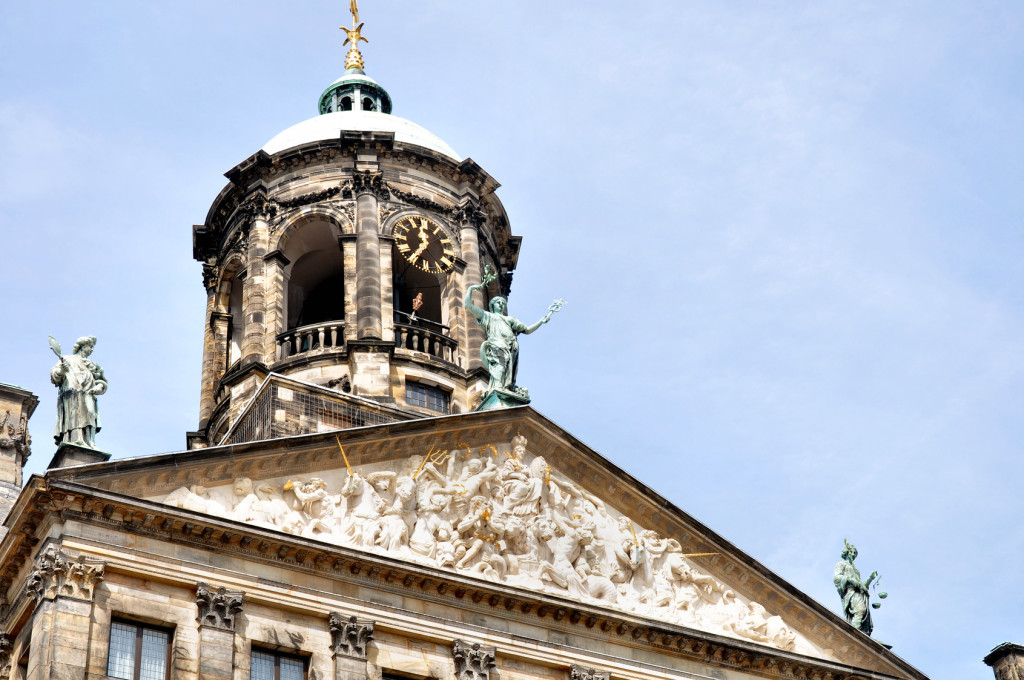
[331, 125]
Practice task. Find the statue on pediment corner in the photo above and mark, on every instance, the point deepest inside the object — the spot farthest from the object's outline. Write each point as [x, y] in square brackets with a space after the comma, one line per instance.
[853, 590]
[79, 380]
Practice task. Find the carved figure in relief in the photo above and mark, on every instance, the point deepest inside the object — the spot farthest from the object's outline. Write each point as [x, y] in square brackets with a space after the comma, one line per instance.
[515, 521]
[79, 381]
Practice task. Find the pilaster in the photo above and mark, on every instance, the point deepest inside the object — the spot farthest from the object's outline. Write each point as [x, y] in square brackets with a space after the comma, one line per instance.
[217, 609]
[470, 277]
[63, 588]
[254, 288]
[349, 638]
[210, 348]
[1007, 661]
[368, 300]
[275, 322]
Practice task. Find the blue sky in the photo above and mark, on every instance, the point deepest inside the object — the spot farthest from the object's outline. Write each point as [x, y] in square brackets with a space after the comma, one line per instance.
[789, 234]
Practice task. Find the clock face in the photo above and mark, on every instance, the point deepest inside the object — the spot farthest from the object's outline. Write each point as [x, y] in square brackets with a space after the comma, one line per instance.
[424, 244]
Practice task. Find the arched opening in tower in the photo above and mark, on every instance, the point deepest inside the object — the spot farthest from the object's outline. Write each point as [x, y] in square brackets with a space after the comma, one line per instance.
[417, 294]
[314, 278]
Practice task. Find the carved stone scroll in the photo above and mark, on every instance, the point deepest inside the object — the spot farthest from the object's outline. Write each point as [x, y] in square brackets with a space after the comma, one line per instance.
[217, 608]
[577, 672]
[59, 575]
[349, 635]
[472, 662]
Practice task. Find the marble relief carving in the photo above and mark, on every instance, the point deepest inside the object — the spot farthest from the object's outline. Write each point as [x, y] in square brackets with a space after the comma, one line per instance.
[501, 514]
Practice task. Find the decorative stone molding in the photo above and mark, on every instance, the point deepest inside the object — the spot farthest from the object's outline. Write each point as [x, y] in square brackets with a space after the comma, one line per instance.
[349, 636]
[14, 434]
[217, 608]
[210, 275]
[58, 575]
[472, 662]
[577, 672]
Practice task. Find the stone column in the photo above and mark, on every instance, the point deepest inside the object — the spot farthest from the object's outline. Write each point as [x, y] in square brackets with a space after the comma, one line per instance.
[470, 277]
[1007, 661]
[217, 610]
[254, 288]
[349, 637]
[347, 242]
[368, 302]
[472, 661]
[210, 346]
[63, 589]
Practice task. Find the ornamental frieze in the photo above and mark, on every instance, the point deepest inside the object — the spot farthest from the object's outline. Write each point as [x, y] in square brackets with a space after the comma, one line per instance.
[56, 574]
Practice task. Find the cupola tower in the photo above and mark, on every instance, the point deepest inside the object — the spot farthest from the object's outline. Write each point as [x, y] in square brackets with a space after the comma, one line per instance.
[337, 258]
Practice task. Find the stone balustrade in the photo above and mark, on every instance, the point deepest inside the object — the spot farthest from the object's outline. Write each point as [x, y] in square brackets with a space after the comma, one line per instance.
[315, 338]
[420, 339]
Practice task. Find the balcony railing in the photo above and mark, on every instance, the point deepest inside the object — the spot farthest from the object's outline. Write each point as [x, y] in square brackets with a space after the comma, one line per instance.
[316, 338]
[416, 336]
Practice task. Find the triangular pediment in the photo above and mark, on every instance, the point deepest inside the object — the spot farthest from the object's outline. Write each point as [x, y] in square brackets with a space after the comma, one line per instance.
[505, 497]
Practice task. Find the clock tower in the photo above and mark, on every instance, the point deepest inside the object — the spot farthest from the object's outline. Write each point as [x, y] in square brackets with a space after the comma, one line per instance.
[336, 259]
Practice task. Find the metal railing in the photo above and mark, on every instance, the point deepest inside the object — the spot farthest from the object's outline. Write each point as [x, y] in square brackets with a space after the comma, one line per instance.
[316, 338]
[420, 339]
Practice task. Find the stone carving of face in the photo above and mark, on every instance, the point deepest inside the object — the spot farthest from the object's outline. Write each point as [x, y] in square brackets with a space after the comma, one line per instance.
[243, 486]
[381, 484]
[544, 529]
[474, 466]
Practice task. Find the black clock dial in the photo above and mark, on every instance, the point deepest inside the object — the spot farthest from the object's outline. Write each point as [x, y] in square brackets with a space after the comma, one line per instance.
[424, 244]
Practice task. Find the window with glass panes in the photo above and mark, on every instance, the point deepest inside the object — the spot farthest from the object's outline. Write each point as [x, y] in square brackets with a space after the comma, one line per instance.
[266, 665]
[138, 652]
[427, 396]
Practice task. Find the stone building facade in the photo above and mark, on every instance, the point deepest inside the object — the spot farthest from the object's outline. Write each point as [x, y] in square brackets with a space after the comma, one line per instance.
[341, 510]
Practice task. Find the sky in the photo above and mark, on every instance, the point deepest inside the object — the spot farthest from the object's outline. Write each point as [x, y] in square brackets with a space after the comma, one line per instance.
[789, 234]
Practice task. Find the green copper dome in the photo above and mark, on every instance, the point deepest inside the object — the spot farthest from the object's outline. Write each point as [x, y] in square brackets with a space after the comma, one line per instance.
[355, 91]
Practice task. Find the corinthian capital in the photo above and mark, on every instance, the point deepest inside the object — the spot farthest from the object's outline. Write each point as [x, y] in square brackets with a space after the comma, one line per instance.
[472, 662]
[577, 672]
[349, 636]
[56, 574]
[217, 608]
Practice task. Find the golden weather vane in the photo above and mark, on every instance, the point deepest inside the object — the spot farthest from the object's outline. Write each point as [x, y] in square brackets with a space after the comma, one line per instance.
[354, 58]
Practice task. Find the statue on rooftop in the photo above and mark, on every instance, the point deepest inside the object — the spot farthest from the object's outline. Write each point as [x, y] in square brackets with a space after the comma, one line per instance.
[79, 381]
[853, 590]
[500, 351]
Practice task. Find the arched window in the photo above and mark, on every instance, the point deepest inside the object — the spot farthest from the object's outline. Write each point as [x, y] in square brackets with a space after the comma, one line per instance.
[346, 103]
[416, 288]
[367, 104]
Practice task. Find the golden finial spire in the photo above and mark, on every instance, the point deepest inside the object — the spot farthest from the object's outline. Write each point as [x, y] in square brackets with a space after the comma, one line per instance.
[354, 59]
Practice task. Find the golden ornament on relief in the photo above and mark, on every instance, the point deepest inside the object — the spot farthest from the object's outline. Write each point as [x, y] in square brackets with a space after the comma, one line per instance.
[424, 244]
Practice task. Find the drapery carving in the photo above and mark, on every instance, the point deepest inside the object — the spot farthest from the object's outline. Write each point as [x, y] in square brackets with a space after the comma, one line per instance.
[499, 513]
[349, 635]
[217, 607]
[472, 662]
[59, 575]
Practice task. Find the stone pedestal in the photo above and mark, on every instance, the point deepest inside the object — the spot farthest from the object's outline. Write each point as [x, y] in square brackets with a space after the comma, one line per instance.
[69, 455]
[495, 399]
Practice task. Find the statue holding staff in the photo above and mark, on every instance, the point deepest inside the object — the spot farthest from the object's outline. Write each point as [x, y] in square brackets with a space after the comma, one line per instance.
[79, 381]
[853, 590]
[500, 351]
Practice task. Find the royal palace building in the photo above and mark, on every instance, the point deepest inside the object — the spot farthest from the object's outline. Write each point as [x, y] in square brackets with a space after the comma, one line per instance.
[368, 494]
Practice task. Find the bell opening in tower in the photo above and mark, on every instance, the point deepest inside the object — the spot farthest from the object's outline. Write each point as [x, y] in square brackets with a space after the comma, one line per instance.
[314, 279]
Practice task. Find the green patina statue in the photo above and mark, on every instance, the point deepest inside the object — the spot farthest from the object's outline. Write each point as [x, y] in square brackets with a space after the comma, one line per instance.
[856, 596]
[79, 380]
[500, 351]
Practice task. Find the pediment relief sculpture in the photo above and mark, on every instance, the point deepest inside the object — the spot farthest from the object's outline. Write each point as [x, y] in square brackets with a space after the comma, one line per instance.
[503, 514]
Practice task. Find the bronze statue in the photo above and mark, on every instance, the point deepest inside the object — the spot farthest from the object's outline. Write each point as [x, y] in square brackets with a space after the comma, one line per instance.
[79, 381]
[854, 591]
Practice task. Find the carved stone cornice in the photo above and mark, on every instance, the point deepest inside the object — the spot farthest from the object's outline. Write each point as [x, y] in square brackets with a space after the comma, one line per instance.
[472, 661]
[578, 672]
[217, 608]
[58, 575]
[349, 635]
